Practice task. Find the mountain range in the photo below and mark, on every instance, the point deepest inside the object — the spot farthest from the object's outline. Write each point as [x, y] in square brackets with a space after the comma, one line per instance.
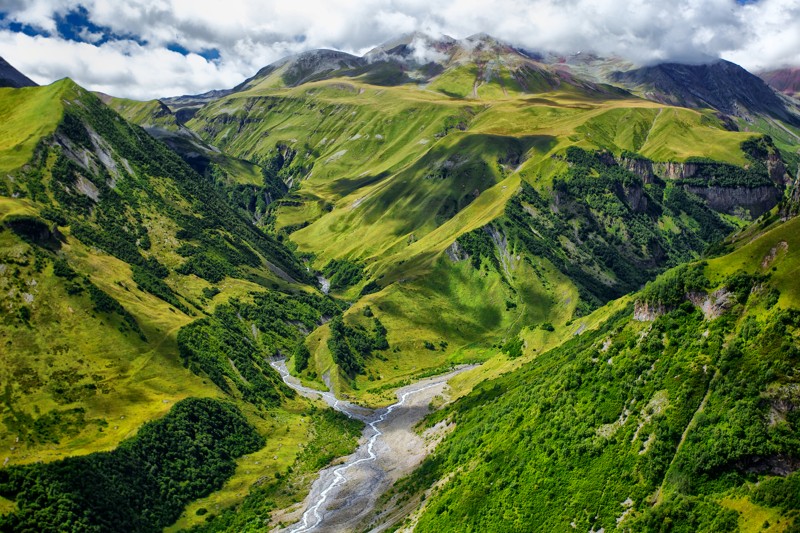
[612, 245]
[785, 80]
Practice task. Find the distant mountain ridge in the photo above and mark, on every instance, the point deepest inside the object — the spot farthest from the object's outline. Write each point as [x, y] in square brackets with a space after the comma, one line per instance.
[720, 85]
[442, 61]
[11, 77]
[785, 80]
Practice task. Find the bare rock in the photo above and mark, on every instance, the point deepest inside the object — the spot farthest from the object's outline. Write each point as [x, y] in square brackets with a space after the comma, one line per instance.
[647, 311]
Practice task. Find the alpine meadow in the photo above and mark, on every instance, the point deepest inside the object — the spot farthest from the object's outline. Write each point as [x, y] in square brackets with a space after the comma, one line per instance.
[435, 285]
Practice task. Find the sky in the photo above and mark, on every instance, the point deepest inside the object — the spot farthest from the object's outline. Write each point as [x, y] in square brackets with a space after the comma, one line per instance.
[154, 48]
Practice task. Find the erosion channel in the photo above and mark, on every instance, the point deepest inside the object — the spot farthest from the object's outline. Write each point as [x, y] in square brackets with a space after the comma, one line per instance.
[344, 494]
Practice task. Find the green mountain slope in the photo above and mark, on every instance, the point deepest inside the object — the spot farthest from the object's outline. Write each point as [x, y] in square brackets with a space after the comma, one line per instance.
[247, 186]
[673, 415]
[133, 289]
[484, 207]
[386, 179]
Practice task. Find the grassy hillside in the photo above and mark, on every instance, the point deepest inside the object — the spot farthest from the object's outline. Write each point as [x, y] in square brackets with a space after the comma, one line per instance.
[385, 179]
[134, 287]
[489, 215]
[678, 417]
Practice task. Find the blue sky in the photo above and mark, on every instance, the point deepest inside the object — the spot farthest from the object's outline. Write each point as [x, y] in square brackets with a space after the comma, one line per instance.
[150, 48]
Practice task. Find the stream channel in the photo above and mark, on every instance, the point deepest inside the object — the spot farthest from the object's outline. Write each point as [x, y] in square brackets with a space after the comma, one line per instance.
[344, 494]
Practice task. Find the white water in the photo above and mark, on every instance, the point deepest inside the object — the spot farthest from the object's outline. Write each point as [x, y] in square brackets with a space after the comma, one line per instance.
[324, 284]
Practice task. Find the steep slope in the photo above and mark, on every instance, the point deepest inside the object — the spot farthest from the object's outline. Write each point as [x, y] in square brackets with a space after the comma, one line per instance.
[246, 185]
[720, 85]
[785, 80]
[11, 77]
[303, 68]
[680, 410]
[90, 221]
[134, 293]
[385, 180]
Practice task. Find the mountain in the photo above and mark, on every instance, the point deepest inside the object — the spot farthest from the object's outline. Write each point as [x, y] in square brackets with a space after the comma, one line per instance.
[720, 85]
[246, 185]
[679, 408]
[11, 77]
[421, 192]
[785, 80]
[619, 269]
[140, 309]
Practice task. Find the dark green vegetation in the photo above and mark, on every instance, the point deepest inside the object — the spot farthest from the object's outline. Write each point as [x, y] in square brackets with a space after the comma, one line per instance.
[351, 346]
[140, 273]
[334, 435]
[143, 485]
[134, 282]
[621, 231]
[640, 425]
[232, 346]
[343, 273]
[108, 204]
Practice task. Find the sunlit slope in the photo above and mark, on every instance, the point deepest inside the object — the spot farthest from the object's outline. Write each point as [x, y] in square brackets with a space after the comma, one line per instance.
[159, 120]
[356, 142]
[389, 177]
[109, 246]
[682, 415]
[27, 114]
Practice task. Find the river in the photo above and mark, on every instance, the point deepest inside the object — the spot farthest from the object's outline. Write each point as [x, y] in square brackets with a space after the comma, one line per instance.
[343, 495]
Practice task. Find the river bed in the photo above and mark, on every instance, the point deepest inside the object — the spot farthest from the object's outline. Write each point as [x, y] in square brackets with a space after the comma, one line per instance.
[344, 494]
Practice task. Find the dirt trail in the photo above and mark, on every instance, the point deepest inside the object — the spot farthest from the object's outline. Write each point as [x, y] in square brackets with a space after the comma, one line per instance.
[344, 494]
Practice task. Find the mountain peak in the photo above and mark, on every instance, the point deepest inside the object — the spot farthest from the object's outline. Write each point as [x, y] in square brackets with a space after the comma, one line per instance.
[11, 77]
[719, 84]
[415, 47]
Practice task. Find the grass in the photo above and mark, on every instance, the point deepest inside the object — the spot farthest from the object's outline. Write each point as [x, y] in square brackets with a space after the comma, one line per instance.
[370, 161]
[27, 115]
[753, 247]
[65, 335]
[754, 518]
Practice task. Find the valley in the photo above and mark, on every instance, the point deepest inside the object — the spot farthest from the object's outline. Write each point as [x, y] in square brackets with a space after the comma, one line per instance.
[493, 291]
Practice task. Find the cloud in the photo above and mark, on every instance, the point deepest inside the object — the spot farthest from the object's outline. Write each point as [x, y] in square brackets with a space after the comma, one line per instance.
[250, 34]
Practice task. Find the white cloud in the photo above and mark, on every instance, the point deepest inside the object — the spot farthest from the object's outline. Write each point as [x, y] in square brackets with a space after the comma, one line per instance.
[250, 34]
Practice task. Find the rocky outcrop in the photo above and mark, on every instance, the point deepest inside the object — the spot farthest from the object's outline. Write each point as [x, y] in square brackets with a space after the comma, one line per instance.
[712, 305]
[641, 167]
[650, 170]
[456, 253]
[647, 311]
[776, 465]
[634, 197]
[779, 249]
[777, 170]
[756, 200]
[676, 171]
[792, 206]
[720, 85]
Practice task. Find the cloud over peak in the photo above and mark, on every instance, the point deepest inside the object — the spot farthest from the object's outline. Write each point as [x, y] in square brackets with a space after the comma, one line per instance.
[149, 48]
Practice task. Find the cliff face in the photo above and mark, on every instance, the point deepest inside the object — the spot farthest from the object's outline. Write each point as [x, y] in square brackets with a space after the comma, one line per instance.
[649, 170]
[792, 207]
[732, 200]
[647, 312]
